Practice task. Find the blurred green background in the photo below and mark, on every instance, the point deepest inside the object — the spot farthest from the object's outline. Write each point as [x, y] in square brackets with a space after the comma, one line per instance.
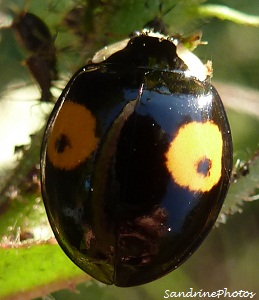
[229, 257]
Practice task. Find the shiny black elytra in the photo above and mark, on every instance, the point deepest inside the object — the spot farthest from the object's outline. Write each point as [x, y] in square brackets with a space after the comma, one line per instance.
[136, 161]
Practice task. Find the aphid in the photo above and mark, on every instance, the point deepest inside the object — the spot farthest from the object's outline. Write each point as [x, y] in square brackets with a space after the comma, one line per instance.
[36, 38]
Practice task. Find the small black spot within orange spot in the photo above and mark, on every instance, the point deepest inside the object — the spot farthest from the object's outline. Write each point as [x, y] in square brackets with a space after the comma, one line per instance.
[204, 166]
[61, 143]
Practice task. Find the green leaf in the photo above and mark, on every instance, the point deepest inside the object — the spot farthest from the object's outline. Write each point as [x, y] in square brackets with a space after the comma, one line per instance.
[30, 271]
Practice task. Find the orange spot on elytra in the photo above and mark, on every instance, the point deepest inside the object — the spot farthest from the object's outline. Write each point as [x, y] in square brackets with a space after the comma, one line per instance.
[196, 143]
[72, 136]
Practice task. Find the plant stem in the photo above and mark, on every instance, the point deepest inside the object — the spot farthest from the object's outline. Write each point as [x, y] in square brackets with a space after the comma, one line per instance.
[227, 13]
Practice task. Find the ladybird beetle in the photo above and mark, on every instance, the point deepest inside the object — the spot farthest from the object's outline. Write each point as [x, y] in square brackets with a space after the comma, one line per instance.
[136, 160]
